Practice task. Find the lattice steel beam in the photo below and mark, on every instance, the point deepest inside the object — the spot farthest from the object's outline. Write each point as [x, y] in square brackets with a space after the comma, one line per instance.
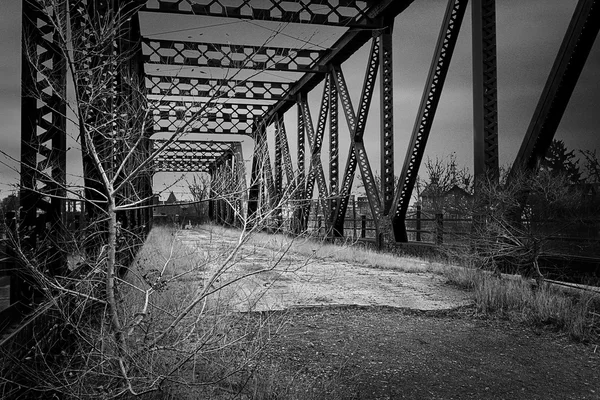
[571, 58]
[357, 153]
[261, 179]
[216, 88]
[432, 93]
[319, 12]
[169, 52]
[285, 150]
[43, 135]
[278, 173]
[301, 215]
[485, 90]
[239, 167]
[189, 155]
[315, 143]
[234, 118]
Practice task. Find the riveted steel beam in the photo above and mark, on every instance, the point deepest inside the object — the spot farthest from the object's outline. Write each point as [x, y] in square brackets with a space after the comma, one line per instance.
[278, 175]
[315, 140]
[571, 58]
[300, 215]
[357, 153]
[241, 198]
[485, 90]
[316, 12]
[334, 149]
[169, 52]
[387, 119]
[261, 192]
[285, 150]
[432, 93]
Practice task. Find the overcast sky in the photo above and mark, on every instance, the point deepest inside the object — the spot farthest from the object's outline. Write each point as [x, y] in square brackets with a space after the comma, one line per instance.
[529, 36]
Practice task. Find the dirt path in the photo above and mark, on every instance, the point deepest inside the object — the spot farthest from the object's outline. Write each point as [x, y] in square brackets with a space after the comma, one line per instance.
[379, 353]
[355, 332]
[298, 281]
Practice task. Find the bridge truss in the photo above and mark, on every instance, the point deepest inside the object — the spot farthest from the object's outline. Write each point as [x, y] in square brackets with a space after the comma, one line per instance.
[189, 105]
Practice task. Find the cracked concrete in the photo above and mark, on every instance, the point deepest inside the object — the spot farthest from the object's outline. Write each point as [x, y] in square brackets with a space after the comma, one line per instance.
[298, 281]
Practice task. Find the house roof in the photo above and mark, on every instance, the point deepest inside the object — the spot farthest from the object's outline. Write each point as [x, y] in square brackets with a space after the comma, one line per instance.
[432, 190]
[172, 199]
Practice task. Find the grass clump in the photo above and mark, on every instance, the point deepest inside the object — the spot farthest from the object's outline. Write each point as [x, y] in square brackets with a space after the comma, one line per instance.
[350, 252]
[541, 305]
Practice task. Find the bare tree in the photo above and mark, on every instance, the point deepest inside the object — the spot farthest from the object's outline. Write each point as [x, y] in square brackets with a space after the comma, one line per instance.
[592, 166]
[442, 175]
[119, 326]
[512, 241]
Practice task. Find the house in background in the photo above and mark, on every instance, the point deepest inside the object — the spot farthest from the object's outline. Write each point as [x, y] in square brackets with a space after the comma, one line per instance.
[174, 211]
[454, 202]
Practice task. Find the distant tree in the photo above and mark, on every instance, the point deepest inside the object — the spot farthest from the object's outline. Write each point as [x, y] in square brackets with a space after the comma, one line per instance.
[441, 176]
[592, 166]
[515, 243]
[559, 159]
[9, 203]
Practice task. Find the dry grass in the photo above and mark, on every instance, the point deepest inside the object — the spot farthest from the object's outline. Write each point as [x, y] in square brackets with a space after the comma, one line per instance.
[350, 252]
[521, 300]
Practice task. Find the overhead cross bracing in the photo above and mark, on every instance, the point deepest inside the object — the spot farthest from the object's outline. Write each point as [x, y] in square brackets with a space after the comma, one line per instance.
[191, 156]
[178, 68]
[239, 81]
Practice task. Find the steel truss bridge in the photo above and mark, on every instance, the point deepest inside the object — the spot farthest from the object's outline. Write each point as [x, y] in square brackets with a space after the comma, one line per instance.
[253, 105]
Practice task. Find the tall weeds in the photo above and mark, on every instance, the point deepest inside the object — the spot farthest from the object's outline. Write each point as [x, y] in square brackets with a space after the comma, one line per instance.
[541, 305]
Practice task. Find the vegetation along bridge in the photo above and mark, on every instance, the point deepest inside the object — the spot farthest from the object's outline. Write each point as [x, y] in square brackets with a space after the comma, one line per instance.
[121, 83]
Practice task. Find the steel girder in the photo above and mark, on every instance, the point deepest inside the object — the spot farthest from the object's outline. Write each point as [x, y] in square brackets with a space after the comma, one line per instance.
[334, 149]
[387, 120]
[282, 162]
[431, 96]
[262, 193]
[318, 12]
[357, 153]
[301, 215]
[205, 117]
[215, 88]
[169, 52]
[227, 186]
[315, 142]
[571, 58]
[43, 139]
[485, 91]
[189, 155]
[284, 149]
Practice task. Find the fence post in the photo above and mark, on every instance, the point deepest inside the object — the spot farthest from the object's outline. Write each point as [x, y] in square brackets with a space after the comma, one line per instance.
[439, 228]
[363, 226]
[353, 217]
[418, 228]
